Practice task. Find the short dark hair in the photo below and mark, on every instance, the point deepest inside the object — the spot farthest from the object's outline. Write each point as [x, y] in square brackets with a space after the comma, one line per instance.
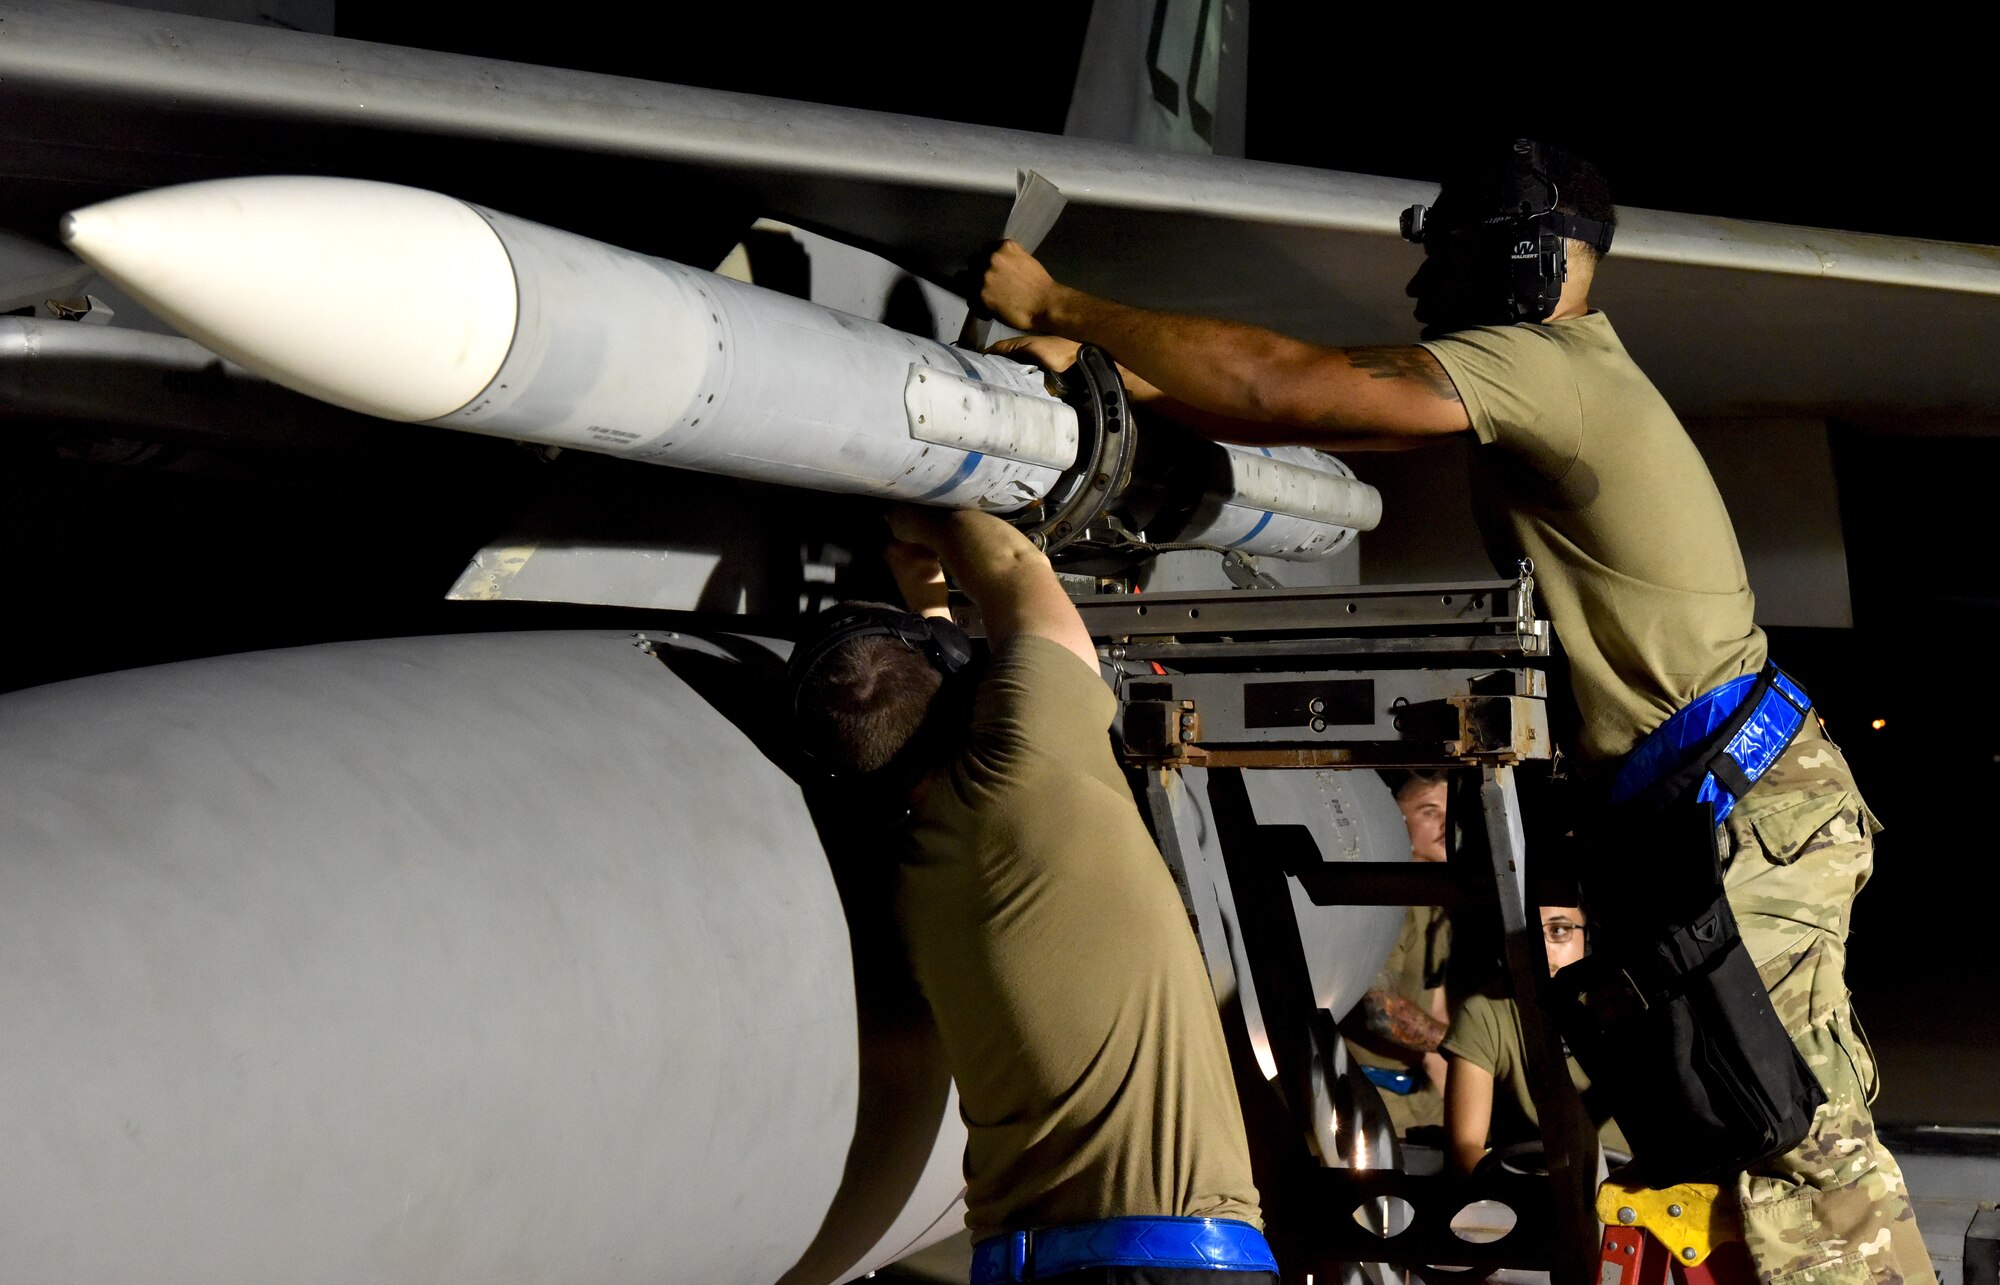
[1581, 189]
[864, 701]
[1401, 778]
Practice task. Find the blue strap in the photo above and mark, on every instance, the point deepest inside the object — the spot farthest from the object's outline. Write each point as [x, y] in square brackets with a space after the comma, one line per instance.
[1779, 714]
[1195, 1244]
[1396, 1081]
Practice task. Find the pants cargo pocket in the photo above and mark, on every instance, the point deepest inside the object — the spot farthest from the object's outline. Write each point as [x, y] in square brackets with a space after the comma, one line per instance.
[1788, 1247]
[1848, 1269]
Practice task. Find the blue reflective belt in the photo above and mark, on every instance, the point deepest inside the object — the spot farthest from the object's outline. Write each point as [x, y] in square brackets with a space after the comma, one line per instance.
[1779, 715]
[1198, 1244]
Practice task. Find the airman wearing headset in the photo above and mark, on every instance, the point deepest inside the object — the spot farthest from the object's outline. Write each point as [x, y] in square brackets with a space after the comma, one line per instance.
[1582, 466]
[1105, 1142]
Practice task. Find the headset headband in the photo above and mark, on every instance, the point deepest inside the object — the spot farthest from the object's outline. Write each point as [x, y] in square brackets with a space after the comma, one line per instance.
[1513, 261]
[937, 639]
[1415, 223]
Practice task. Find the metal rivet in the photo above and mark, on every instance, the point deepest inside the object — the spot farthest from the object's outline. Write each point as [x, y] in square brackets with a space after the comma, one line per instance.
[1628, 1215]
[1673, 1211]
[1688, 1253]
[1316, 705]
[1319, 725]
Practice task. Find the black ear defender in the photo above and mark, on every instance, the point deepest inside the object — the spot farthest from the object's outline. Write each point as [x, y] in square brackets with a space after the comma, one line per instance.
[1510, 219]
[937, 639]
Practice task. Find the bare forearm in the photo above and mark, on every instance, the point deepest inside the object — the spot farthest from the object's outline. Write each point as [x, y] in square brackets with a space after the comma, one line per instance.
[1400, 1022]
[1244, 432]
[1238, 364]
[1468, 1112]
[984, 556]
[1242, 383]
[1238, 375]
[1001, 571]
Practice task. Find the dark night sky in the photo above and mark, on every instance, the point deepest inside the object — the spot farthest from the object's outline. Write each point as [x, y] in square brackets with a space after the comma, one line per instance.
[1877, 132]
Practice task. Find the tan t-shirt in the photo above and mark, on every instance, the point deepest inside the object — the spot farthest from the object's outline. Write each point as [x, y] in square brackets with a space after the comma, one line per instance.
[1585, 469]
[1486, 1031]
[1055, 952]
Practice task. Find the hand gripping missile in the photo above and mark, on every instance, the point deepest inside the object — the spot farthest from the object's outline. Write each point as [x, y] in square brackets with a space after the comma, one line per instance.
[418, 307]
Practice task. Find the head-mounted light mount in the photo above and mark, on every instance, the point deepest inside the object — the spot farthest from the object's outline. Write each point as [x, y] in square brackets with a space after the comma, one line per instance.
[1509, 240]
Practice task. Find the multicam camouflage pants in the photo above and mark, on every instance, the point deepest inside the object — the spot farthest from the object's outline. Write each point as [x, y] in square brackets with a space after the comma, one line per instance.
[1833, 1211]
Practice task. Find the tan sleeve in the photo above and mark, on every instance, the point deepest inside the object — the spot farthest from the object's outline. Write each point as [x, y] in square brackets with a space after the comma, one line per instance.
[1038, 703]
[1519, 393]
[1475, 1034]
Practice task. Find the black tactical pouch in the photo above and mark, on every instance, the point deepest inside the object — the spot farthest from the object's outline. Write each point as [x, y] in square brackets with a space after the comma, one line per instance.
[1667, 1013]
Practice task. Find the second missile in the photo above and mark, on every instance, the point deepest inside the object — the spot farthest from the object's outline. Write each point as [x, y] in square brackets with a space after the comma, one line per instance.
[418, 307]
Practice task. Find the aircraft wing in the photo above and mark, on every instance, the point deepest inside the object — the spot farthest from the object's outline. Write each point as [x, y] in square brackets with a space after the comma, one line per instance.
[1729, 317]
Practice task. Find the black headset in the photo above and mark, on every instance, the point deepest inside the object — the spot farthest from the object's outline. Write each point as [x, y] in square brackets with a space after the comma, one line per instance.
[1515, 234]
[938, 640]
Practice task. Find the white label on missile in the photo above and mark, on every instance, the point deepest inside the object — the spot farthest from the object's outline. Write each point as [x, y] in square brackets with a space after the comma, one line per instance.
[974, 415]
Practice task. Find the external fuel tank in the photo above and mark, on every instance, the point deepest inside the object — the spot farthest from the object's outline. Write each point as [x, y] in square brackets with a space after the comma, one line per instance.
[474, 958]
[479, 958]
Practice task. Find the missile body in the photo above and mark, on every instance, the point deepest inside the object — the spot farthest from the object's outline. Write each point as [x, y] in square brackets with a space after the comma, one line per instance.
[418, 307]
[1283, 501]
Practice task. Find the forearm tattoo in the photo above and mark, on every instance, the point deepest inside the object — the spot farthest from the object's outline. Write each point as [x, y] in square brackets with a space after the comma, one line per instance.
[1405, 362]
[1402, 1023]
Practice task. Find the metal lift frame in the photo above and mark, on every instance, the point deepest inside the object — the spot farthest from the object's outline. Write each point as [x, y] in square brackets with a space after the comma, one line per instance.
[1439, 676]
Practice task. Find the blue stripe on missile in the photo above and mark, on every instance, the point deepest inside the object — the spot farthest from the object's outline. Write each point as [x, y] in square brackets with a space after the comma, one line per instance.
[972, 459]
[1261, 522]
[971, 371]
[1252, 534]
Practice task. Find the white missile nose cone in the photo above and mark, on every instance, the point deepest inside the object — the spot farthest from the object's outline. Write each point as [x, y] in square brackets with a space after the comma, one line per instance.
[387, 300]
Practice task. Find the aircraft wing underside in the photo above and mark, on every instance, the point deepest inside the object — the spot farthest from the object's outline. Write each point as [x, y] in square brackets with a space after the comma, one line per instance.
[1729, 317]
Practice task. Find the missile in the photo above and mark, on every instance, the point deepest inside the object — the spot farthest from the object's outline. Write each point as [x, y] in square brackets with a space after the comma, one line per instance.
[1285, 501]
[413, 306]
[418, 307]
